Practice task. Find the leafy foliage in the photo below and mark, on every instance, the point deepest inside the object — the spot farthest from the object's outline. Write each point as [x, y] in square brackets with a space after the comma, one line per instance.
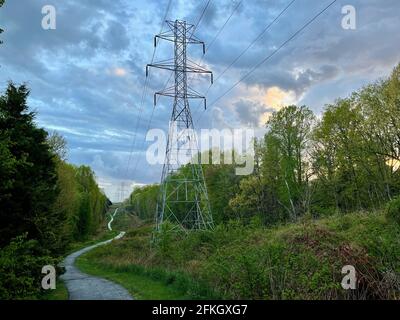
[295, 261]
[305, 168]
[21, 263]
[393, 210]
[45, 203]
[28, 188]
[143, 202]
[346, 161]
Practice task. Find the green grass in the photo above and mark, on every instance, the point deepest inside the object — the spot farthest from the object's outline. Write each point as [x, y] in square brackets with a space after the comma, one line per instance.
[141, 287]
[103, 233]
[293, 261]
[103, 236]
[141, 284]
[60, 293]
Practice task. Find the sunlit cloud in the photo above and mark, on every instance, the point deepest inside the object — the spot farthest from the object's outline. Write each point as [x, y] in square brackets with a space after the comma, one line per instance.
[257, 104]
[119, 72]
[277, 98]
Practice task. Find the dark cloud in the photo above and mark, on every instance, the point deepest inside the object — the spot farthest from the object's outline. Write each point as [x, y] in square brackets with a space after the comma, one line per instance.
[249, 112]
[297, 81]
[116, 36]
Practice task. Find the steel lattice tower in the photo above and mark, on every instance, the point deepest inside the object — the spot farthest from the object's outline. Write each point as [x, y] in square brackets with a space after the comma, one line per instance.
[183, 197]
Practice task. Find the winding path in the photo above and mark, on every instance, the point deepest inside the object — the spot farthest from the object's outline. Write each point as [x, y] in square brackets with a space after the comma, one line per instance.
[82, 286]
[112, 219]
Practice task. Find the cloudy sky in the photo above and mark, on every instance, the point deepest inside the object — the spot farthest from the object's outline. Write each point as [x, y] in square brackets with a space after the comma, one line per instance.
[87, 75]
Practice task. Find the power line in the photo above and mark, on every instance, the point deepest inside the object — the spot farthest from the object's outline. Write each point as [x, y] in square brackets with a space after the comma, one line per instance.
[144, 92]
[273, 53]
[213, 41]
[259, 36]
[219, 32]
[166, 84]
[194, 29]
[224, 25]
[255, 40]
[201, 17]
[191, 34]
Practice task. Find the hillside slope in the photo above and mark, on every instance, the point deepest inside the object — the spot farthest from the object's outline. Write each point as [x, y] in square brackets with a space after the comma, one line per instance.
[293, 261]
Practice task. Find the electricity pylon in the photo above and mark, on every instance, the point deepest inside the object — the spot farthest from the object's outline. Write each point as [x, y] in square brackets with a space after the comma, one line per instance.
[121, 192]
[183, 198]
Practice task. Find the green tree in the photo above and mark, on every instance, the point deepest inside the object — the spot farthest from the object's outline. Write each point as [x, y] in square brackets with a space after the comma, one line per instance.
[337, 146]
[355, 141]
[58, 145]
[20, 265]
[29, 181]
[289, 138]
[143, 201]
[279, 188]
[92, 203]
[222, 185]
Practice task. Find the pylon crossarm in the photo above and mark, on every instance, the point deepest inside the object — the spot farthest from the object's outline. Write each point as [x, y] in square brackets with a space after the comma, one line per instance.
[194, 41]
[165, 66]
[194, 96]
[194, 67]
[169, 90]
[166, 37]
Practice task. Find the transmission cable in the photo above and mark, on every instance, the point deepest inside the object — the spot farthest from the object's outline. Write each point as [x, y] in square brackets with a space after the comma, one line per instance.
[166, 85]
[144, 92]
[272, 54]
[259, 36]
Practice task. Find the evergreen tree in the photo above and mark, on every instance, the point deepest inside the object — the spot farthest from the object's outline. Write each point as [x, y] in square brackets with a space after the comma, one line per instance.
[28, 175]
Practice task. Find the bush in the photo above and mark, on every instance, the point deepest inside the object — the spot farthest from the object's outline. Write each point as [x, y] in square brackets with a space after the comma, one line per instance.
[21, 264]
[393, 210]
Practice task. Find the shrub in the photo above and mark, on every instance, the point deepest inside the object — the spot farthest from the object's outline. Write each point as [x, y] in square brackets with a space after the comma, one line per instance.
[393, 210]
[21, 264]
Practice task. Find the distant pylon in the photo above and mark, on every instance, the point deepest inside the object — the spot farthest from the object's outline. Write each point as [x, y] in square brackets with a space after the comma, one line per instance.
[120, 193]
[183, 198]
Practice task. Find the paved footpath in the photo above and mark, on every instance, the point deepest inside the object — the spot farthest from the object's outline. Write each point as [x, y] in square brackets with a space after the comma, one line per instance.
[112, 219]
[82, 286]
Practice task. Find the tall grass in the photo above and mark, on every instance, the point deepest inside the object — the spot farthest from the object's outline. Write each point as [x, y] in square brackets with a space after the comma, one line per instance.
[294, 261]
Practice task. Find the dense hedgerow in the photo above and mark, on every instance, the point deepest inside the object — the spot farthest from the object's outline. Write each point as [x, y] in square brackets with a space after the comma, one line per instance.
[21, 263]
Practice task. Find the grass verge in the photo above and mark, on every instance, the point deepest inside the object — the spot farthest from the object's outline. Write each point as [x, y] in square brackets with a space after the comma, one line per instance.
[140, 285]
[103, 236]
[300, 260]
[60, 293]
